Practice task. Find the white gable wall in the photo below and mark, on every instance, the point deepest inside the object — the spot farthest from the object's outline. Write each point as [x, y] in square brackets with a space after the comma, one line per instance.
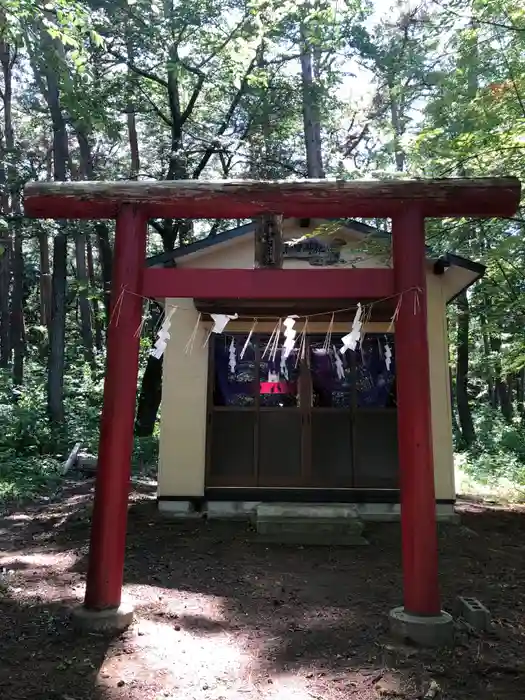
[239, 252]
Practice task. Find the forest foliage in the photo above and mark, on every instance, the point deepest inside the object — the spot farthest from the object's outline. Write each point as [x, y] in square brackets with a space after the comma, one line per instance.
[180, 89]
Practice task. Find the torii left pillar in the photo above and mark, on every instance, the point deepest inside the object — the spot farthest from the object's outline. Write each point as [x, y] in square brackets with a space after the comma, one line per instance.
[103, 608]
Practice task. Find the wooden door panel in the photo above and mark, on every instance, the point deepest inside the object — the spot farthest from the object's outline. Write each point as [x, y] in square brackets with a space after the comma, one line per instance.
[232, 449]
[331, 441]
[375, 440]
[280, 447]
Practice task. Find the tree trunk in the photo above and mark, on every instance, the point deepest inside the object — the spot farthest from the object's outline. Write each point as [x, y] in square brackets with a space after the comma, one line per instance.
[17, 306]
[172, 230]
[86, 173]
[502, 389]
[83, 300]
[52, 53]
[99, 340]
[45, 268]
[5, 236]
[311, 110]
[5, 266]
[464, 413]
[151, 386]
[105, 258]
[5, 285]
[131, 88]
[7, 58]
[45, 280]
[455, 427]
[505, 398]
[488, 362]
[520, 392]
[86, 275]
[397, 128]
[149, 398]
[55, 386]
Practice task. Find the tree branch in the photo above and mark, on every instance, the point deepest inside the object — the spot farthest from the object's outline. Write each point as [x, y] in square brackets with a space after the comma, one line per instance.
[155, 108]
[223, 45]
[272, 161]
[158, 227]
[194, 95]
[477, 20]
[458, 164]
[226, 121]
[139, 71]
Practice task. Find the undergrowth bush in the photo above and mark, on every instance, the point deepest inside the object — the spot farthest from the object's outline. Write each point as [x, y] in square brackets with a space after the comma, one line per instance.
[27, 477]
[31, 452]
[499, 450]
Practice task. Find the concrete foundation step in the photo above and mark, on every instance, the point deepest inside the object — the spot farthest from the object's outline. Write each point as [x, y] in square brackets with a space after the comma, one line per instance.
[290, 523]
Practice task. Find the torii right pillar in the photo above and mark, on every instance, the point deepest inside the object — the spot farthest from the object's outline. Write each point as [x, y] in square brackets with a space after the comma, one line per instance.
[420, 619]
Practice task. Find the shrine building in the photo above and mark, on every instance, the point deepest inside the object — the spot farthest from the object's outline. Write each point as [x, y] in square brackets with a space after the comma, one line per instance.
[318, 426]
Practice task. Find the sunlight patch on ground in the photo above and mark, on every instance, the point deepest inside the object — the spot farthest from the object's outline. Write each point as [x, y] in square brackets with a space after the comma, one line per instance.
[183, 659]
[178, 602]
[198, 667]
[288, 687]
[47, 575]
[36, 560]
[18, 517]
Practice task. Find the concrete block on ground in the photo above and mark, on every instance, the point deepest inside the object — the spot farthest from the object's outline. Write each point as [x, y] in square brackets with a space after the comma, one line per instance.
[432, 631]
[473, 612]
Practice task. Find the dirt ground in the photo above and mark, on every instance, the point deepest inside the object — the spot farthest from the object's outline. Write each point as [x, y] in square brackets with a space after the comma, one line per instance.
[223, 616]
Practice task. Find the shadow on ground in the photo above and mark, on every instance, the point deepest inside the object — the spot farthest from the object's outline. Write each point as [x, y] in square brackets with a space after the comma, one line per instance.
[42, 658]
[221, 615]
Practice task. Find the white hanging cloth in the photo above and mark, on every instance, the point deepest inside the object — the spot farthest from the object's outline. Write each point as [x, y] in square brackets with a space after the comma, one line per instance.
[289, 336]
[220, 321]
[284, 366]
[388, 356]
[339, 368]
[163, 335]
[351, 339]
[247, 343]
[232, 356]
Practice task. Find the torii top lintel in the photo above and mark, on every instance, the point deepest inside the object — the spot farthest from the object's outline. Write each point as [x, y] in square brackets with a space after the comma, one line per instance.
[244, 199]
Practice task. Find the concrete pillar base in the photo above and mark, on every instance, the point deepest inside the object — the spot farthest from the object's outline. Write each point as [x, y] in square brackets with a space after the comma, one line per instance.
[106, 621]
[435, 631]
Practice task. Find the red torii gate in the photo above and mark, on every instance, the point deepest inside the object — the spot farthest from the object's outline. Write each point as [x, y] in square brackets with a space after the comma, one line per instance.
[406, 202]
